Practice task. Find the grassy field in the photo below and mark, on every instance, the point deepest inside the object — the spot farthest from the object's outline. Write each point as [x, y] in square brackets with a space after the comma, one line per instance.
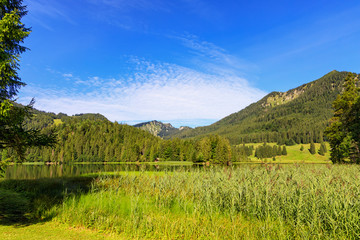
[294, 155]
[260, 201]
[50, 231]
[254, 202]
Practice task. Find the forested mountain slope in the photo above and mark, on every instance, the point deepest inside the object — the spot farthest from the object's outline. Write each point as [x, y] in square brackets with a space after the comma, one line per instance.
[93, 138]
[42, 119]
[158, 128]
[300, 114]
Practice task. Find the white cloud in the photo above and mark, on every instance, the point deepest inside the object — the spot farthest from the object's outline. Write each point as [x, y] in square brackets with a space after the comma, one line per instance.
[41, 10]
[155, 91]
[214, 59]
[67, 75]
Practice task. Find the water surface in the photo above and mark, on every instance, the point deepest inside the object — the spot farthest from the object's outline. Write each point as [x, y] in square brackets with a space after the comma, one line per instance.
[24, 171]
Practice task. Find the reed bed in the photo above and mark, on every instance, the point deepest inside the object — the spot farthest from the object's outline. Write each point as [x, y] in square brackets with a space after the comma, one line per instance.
[247, 202]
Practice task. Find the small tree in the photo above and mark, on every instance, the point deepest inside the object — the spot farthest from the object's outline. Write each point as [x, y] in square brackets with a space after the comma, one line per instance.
[284, 152]
[323, 147]
[302, 148]
[321, 150]
[312, 149]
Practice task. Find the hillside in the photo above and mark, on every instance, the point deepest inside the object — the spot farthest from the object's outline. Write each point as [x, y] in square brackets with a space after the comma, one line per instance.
[157, 128]
[160, 129]
[300, 114]
[93, 138]
[42, 119]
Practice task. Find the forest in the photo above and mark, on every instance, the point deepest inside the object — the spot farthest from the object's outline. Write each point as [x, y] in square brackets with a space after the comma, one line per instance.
[93, 138]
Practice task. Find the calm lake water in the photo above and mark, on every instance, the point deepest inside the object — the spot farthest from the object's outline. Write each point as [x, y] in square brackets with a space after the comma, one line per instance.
[23, 171]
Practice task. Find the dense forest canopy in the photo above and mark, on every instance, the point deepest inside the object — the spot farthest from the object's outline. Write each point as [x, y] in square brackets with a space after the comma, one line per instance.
[93, 138]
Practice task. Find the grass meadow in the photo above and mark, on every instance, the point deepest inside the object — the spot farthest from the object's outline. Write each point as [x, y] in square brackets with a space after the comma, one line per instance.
[259, 201]
[295, 155]
[250, 202]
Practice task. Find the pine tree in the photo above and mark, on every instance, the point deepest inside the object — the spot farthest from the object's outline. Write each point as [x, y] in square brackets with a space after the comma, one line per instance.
[312, 149]
[302, 148]
[321, 150]
[324, 147]
[12, 117]
[343, 132]
[284, 151]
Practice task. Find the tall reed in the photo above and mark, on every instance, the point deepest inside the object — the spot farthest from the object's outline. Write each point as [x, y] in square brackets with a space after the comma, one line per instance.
[267, 201]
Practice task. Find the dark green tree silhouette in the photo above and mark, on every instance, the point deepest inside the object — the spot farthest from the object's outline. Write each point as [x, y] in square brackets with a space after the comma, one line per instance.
[312, 149]
[12, 117]
[343, 132]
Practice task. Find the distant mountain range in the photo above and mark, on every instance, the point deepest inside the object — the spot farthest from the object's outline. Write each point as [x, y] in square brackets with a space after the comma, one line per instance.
[160, 129]
[300, 114]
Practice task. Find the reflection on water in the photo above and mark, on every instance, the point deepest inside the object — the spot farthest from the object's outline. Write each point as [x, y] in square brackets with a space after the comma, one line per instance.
[71, 170]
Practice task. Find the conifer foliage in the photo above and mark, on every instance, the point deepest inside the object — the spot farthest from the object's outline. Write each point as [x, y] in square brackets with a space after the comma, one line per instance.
[93, 138]
[344, 130]
[312, 148]
[266, 151]
[12, 34]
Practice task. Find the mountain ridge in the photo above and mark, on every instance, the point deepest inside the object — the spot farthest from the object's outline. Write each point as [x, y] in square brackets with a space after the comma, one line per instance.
[301, 114]
[160, 129]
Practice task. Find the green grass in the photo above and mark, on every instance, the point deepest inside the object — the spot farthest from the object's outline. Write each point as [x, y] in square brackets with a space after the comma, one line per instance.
[50, 231]
[258, 201]
[294, 155]
[125, 173]
[250, 202]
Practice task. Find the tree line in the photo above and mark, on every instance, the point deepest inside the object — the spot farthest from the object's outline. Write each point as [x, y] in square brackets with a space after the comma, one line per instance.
[93, 140]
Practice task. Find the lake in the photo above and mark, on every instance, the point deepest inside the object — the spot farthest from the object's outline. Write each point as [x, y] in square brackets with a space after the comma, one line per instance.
[26, 171]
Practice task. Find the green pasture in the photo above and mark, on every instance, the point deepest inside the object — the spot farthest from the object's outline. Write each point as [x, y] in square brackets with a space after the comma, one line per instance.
[258, 201]
[294, 155]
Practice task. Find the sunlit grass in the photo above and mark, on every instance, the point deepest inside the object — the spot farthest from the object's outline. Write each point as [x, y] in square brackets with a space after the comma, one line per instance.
[294, 155]
[250, 202]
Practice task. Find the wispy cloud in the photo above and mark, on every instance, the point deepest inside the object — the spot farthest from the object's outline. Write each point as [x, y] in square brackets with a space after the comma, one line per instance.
[155, 91]
[67, 75]
[40, 11]
[125, 5]
[214, 58]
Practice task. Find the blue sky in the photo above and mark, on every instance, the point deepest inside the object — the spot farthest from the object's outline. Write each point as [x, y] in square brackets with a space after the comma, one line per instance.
[180, 61]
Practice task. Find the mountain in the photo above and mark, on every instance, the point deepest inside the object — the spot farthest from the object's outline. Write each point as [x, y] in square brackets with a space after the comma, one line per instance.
[93, 138]
[160, 129]
[42, 119]
[298, 115]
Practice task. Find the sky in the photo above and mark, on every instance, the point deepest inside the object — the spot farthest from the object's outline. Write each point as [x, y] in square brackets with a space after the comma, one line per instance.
[187, 62]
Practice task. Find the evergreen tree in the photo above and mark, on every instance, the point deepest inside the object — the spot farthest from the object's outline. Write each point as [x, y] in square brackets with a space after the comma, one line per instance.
[312, 149]
[324, 147]
[284, 151]
[12, 117]
[302, 148]
[343, 132]
[321, 150]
